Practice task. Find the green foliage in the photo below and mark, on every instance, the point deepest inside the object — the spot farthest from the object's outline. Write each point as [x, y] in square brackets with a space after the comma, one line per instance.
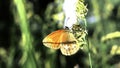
[27, 60]
[81, 9]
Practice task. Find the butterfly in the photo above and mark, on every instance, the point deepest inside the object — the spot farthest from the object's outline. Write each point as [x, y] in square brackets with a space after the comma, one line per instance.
[63, 39]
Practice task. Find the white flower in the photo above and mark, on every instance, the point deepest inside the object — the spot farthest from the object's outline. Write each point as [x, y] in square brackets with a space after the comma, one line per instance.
[69, 8]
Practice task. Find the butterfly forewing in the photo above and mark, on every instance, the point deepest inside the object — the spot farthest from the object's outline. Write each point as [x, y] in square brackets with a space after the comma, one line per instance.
[53, 39]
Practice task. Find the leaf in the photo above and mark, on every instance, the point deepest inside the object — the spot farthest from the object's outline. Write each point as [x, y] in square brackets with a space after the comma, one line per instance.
[111, 36]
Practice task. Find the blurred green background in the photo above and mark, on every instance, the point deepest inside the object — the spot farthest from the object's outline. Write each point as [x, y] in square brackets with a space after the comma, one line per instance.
[24, 24]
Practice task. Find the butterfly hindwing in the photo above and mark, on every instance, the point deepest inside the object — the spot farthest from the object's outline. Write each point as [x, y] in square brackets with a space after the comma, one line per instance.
[69, 45]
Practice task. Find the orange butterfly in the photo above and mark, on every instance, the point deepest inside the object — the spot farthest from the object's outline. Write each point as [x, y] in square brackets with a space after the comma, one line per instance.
[64, 40]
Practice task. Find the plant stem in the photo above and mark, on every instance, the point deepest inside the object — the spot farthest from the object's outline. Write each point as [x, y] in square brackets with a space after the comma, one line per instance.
[27, 60]
[89, 55]
[90, 61]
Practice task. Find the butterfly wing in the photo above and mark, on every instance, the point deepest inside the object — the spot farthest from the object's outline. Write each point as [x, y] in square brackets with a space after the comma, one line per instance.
[53, 39]
[69, 44]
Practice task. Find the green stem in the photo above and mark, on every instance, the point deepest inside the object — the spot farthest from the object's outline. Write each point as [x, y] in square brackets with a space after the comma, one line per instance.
[27, 60]
[85, 23]
[89, 55]
[90, 61]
